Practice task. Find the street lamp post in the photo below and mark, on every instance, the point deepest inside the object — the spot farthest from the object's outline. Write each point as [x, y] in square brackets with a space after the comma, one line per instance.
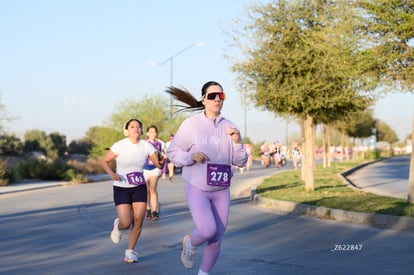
[171, 60]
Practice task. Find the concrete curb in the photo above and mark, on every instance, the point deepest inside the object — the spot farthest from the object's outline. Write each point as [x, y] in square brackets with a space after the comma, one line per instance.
[376, 220]
[352, 170]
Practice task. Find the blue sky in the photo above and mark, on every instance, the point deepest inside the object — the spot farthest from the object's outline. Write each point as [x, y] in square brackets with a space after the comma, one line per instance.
[66, 65]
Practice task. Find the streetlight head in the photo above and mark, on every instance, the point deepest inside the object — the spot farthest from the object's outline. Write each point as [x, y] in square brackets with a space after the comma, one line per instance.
[153, 63]
[200, 44]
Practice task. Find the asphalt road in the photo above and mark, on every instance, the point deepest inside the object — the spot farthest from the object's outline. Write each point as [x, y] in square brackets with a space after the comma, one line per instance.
[65, 230]
[388, 177]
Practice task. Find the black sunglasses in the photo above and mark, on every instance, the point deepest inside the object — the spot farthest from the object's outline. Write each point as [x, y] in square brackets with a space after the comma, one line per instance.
[212, 96]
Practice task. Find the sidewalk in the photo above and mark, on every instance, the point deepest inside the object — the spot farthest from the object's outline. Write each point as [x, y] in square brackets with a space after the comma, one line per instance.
[29, 185]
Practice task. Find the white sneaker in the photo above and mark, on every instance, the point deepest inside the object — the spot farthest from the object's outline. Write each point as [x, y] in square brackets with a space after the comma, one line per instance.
[116, 233]
[200, 272]
[130, 256]
[187, 254]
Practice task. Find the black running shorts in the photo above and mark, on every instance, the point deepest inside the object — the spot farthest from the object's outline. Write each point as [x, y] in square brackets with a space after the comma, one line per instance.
[130, 195]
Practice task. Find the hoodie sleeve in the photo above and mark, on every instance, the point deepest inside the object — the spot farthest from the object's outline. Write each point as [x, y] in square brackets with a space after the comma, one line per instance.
[179, 150]
[239, 155]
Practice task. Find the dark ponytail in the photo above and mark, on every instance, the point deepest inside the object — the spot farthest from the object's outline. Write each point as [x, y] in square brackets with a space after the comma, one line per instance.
[186, 97]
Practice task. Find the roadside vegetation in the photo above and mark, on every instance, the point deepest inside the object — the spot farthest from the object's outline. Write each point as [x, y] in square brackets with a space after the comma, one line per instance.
[48, 156]
[332, 191]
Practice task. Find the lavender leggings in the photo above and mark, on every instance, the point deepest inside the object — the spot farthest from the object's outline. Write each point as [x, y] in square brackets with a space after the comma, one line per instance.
[210, 212]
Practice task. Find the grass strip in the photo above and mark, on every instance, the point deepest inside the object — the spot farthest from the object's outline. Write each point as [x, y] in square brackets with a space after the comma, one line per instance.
[331, 191]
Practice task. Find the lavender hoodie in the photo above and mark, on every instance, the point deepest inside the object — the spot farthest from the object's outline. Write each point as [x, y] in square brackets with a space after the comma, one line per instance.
[209, 136]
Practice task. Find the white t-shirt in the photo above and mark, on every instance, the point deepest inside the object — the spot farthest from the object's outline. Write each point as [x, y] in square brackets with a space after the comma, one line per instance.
[130, 157]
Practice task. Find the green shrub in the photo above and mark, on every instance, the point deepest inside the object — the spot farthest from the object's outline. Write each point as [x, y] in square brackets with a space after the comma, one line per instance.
[75, 177]
[372, 154]
[7, 175]
[3, 173]
[33, 168]
[91, 165]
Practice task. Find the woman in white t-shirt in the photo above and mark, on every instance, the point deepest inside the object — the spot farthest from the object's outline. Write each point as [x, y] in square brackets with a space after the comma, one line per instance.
[130, 190]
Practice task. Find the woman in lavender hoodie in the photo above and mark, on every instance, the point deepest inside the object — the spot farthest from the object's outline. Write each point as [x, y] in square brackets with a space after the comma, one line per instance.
[206, 146]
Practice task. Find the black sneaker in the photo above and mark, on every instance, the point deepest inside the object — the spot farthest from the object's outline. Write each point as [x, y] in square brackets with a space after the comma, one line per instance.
[155, 216]
[149, 215]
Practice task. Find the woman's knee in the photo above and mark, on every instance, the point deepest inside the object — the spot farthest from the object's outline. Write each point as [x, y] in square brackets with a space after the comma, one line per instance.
[153, 189]
[138, 221]
[207, 232]
[124, 224]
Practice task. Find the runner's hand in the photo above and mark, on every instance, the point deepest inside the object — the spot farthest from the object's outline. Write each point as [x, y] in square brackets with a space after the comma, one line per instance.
[199, 157]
